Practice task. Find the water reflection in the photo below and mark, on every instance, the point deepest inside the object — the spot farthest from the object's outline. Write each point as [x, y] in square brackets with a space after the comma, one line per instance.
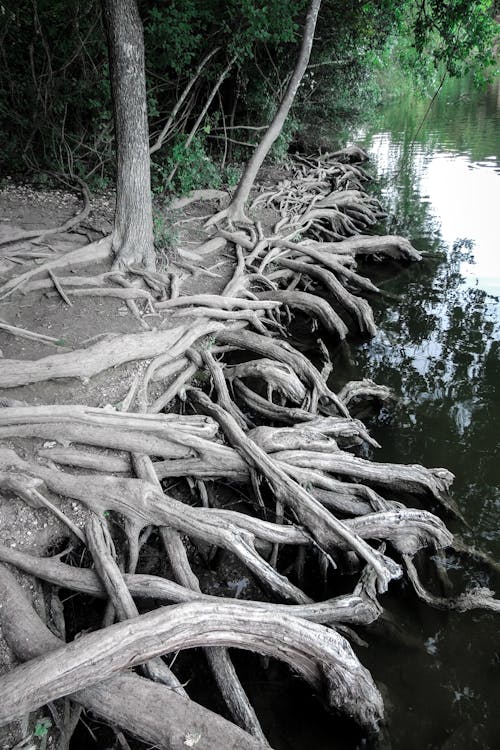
[439, 348]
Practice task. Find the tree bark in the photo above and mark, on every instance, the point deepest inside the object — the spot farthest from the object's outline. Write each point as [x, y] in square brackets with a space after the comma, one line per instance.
[235, 210]
[133, 233]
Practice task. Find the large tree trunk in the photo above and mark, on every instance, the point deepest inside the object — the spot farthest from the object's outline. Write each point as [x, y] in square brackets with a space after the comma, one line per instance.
[133, 233]
[236, 209]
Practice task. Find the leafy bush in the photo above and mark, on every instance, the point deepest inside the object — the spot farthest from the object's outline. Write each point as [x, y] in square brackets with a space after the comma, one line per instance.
[194, 168]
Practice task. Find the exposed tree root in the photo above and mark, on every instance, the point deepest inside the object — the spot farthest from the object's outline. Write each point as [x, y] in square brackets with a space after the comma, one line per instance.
[219, 660]
[69, 224]
[360, 607]
[476, 598]
[301, 488]
[363, 390]
[94, 253]
[25, 334]
[124, 699]
[83, 363]
[321, 656]
[142, 504]
[316, 307]
[283, 352]
[356, 306]
[324, 527]
[101, 547]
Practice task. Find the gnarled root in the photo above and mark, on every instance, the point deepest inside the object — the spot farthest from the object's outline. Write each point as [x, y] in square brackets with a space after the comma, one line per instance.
[124, 699]
[321, 656]
[475, 598]
[84, 363]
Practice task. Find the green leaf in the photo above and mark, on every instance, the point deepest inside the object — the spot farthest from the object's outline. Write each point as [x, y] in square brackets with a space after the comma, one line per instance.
[42, 727]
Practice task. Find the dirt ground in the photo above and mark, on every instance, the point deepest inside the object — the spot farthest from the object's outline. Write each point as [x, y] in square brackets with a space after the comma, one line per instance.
[24, 208]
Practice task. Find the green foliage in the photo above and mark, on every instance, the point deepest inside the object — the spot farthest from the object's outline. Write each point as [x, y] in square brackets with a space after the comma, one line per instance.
[42, 727]
[209, 342]
[165, 235]
[194, 168]
[456, 34]
[55, 99]
[231, 176]
[281, 146]
[53, 95]
[174, 34]
[41, 731]
[250, 22]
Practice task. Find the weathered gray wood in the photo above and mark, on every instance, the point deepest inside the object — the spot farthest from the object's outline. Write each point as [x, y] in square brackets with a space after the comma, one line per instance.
[320, 655]
[282, 352]
[356, 608]
[141, 504]
[101, 547]
[321, 524]
[144, 709]
[313, 305]
[83, 363]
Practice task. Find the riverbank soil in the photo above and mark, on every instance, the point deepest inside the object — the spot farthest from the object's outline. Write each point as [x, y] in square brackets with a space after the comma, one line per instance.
[164, 441]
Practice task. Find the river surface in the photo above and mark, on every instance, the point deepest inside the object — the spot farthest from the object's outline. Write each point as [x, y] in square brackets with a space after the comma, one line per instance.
[438, 348]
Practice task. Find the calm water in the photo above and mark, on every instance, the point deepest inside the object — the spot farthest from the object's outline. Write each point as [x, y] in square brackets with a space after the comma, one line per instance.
[438, 348]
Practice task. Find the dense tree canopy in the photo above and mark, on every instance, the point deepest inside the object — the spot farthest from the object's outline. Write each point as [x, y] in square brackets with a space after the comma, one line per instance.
[55, 108]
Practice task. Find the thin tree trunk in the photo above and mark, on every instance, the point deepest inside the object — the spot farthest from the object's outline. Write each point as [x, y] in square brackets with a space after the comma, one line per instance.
[133, 233]
[236, 209]
[168, 125]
